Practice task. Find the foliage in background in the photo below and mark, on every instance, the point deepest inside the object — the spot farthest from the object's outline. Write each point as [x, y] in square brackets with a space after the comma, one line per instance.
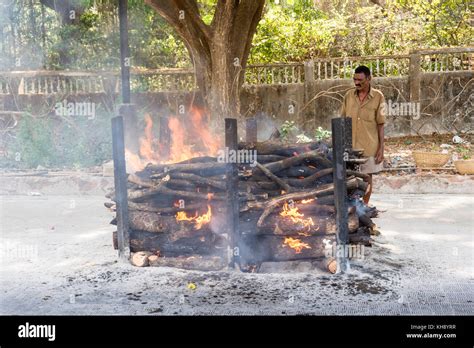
[291, 30]
[32, 37]
[300, 30]
[286, 129]
[53, 141]
[322, 134]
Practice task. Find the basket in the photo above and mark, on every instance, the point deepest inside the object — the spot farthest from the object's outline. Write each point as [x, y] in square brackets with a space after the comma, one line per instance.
[464, 167]
[430, 159]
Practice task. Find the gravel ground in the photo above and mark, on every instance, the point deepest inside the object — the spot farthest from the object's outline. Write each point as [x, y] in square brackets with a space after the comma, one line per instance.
[57, 258]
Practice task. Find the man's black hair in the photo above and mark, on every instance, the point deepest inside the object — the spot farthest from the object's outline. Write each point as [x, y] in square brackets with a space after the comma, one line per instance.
[363, 69]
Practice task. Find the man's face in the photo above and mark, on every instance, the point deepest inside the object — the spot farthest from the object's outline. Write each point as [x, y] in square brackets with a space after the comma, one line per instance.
[361, 81]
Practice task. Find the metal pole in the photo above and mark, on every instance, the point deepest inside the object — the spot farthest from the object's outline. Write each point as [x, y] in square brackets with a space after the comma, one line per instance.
[120, 181]
[251, 130]
[231, 142]
[124, 51]
[127, 110]
[339, 146]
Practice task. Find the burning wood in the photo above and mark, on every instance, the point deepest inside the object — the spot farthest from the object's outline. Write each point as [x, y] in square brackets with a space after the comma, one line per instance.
[198, 220]
[295, 244]
[285, 197]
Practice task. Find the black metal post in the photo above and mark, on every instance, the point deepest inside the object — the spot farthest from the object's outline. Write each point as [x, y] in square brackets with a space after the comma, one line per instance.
[339, 146]
[124, 51]
[347, 133]
[120, 181]
[231, 142]
[127, 110]
[251, 130]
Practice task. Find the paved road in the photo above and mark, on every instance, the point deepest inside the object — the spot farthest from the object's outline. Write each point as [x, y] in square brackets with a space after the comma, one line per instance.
[57, 258]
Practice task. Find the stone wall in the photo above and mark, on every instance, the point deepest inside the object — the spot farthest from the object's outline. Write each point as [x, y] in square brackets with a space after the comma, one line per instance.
[446, 102]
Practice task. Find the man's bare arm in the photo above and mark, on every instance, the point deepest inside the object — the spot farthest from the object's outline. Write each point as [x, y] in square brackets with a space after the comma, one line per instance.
[379, 154]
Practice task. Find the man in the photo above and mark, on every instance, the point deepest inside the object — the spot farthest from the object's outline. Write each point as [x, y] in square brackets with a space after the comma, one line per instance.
[366, 106]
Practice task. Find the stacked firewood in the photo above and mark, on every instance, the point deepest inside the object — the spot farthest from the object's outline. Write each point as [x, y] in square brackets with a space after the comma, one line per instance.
[285, 196]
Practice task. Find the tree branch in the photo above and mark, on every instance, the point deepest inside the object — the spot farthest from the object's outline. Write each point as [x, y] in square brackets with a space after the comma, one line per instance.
[192, 10]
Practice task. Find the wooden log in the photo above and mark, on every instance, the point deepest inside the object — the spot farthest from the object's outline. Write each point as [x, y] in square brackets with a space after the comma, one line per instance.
[357, 160]
[140, 182]
[140, 196]
[277, 148]
[274, 178]
[309, 180]
[183, 184]
[361, 236]
[297, 172]
[307, 157]
[202, 169]
[317, 208]
[271, 204]
[156, 223]
[325, 199]
[269, 158]
[158, 242]
[201, 208]
[201, 159]
[258, 186]
[245, 196]
[140, 258]
[277, 248]
[275, 224]
[199, 180]
[259, 248]
[193, 262]
[366, 221]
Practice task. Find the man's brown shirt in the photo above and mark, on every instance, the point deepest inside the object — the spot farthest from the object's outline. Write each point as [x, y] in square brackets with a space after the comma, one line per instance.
[365, 118]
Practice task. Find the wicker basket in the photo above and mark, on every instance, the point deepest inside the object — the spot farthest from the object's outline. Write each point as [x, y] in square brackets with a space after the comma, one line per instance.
[430, 159]
[464, 167]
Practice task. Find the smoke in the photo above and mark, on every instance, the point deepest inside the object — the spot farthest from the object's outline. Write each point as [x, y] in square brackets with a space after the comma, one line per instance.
[21, 43]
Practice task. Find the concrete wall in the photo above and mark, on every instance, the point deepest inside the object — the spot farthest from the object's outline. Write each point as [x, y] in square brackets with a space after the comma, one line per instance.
[446, 102]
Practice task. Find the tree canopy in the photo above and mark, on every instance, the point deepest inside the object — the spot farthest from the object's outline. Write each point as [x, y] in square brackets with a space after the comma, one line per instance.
[35, 36]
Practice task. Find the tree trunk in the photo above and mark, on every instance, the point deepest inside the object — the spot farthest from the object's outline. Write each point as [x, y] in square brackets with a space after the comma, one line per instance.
[219, 51]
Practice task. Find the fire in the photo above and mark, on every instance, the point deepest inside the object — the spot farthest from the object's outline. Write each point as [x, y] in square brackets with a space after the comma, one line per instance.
[296, 244]
[190, 137]
[199, 220]
[296, 216]
[198, 128]
[146, 142]
[306, 201]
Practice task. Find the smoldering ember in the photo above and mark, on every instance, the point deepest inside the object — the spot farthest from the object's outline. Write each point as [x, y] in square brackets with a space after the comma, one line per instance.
[197, 158]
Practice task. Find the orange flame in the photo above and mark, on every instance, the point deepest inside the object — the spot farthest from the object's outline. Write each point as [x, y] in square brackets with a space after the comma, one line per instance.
[190, 137]
[295, 244]
[296, 216]
[146, 142]
[306, 201]
[199, 220]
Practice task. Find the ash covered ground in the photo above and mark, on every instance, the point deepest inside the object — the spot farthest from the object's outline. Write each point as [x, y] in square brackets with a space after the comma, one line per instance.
[57, 258]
